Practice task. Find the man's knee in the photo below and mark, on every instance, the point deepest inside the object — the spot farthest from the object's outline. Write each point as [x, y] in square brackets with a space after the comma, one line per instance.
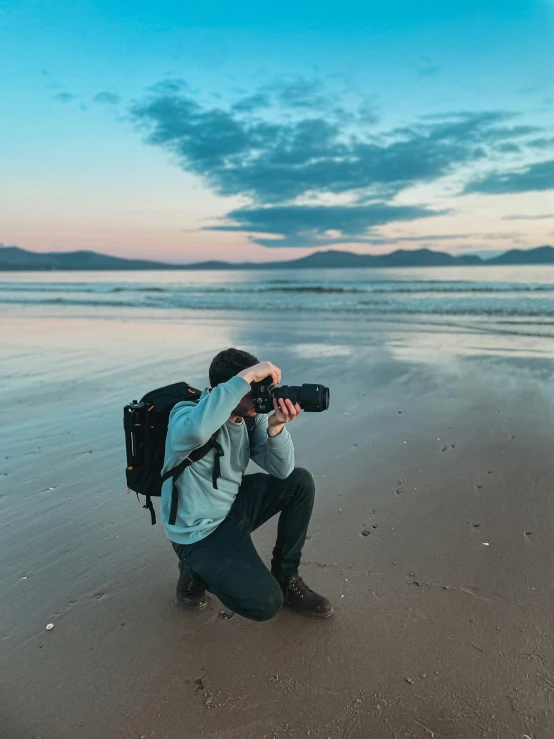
[301, 477]
[267, 607]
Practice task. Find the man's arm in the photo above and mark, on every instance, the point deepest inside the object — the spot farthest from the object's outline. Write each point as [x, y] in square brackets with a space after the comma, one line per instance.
[274, 454]
[272, 447]
[190, 428]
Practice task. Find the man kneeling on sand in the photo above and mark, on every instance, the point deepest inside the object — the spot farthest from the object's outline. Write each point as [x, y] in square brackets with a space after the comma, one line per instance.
[212, 531]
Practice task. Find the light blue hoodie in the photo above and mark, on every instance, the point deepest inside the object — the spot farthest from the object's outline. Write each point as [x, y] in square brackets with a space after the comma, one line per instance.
[201, 507]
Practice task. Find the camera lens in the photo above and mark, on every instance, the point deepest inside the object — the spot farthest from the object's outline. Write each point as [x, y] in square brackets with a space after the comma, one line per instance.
[311, 398]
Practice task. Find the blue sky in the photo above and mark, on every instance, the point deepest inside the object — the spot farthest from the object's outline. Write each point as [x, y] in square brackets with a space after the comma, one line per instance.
[264, 131]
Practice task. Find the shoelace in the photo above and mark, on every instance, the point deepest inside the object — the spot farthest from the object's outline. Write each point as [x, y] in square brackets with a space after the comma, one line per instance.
[298, 586]
[194, 583]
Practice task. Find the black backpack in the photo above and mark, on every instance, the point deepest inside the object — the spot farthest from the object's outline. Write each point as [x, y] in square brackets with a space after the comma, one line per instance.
[145, 424]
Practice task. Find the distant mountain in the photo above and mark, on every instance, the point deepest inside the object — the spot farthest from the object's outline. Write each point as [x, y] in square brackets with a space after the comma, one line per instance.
[14, 259]
[540, 255]
[401, 258]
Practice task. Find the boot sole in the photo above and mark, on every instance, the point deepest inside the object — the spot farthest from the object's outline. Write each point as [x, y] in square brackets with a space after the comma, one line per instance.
[315, 616]
[197, 608]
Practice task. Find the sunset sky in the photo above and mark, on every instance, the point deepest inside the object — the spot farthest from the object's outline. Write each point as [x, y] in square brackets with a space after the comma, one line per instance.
[261, 131]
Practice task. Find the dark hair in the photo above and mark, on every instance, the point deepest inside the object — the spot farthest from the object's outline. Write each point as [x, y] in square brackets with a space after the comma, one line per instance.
[229, 363]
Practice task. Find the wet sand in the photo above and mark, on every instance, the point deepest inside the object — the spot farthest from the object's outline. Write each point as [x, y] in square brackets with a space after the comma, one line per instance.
[432, 535]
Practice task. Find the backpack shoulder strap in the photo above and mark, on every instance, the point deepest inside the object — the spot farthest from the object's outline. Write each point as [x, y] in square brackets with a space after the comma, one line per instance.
[176, 472]
[194, 456]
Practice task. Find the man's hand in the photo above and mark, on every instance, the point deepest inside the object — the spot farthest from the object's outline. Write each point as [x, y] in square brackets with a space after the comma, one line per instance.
[285, 412]
[260, 371]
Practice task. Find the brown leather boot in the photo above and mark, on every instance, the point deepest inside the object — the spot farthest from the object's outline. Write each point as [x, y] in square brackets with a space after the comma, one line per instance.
[191, 591]
[298, 595]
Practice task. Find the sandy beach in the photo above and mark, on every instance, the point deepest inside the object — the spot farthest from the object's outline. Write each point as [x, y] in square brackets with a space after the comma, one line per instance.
[362, 194]
[432, 534]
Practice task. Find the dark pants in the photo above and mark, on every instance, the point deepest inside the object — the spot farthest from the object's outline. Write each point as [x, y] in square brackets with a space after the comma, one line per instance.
[227, 560]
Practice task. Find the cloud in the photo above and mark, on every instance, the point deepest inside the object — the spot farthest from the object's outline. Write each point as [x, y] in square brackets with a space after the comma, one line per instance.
[542, 143]
[540, 217]
[301, 93]
[173, 85]
[503, 133]
[535, 177]
[487, 127]
[277, 161]
[427, 68]
[290, 146]
[252, 102]
[302, 225]
[107, 98]
[509, 148]
[451, 115]
[65, 97]
[295, 96]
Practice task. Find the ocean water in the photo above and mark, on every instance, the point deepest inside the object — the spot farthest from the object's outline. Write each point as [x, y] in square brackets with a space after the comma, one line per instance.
[520, 294]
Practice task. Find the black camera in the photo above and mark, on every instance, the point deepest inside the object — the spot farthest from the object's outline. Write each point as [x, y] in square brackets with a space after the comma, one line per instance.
[311, 398]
